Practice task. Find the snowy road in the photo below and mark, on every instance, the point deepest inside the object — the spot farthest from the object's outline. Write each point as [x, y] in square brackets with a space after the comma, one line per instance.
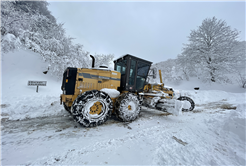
[154, 138]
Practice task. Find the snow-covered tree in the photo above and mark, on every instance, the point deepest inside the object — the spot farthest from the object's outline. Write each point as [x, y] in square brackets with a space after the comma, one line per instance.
[12, 21]
[16, 17]
[239, 68]
[102, 59]
[169, 70]
[212, 47]
[34, 8]
[185, 67]
[9, 43]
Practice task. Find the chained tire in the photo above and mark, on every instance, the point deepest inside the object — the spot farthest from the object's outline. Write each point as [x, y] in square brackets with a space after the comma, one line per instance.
[67, 108]
[191, 102]
[92, 108]
[127, 107]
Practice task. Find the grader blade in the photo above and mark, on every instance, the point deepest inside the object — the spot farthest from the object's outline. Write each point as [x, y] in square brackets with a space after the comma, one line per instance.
[171, 106]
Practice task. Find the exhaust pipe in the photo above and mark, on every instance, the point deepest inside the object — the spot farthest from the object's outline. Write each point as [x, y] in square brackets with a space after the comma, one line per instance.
[93, 61]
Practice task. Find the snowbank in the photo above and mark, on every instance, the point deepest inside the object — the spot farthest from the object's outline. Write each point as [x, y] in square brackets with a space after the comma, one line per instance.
[235, 122]
[218, 138]
[195, 82]
[31, 106]
[207, 96]
[20, 101]
[230, 124]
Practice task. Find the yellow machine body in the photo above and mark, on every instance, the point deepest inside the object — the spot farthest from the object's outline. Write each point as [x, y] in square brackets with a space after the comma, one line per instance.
[84, 98]
[156, 88]
[91, 79]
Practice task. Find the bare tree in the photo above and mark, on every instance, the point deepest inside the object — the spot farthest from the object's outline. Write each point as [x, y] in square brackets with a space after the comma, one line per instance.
[212, 47]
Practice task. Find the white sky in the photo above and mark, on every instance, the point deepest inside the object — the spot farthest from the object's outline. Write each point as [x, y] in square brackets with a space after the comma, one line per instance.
[155, 31]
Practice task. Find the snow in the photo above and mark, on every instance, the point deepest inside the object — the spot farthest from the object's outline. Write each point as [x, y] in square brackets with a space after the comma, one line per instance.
[36, 129]
[9, 37]
[235, 122]
[194, 82]
[178, 108]
[113, 93]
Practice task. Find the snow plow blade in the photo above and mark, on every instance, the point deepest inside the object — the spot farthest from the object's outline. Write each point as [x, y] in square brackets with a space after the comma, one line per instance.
[171, 106]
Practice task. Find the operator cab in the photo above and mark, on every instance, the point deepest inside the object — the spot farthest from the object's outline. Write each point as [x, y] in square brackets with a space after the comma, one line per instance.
[134, 72]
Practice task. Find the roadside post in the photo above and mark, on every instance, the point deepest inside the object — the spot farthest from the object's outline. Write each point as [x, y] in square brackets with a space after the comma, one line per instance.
[36, 83]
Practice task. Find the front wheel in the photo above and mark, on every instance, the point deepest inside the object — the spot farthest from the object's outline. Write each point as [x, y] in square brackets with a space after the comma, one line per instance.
[92, 108]
[127, 107]
[189, 104]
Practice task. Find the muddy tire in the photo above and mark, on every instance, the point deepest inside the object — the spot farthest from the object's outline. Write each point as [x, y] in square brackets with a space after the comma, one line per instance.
[67, 108]
[191, 103]
[127, 107]
[92, 108]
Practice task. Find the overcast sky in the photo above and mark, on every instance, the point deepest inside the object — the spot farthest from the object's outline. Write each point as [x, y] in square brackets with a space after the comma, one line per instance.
[155, 31]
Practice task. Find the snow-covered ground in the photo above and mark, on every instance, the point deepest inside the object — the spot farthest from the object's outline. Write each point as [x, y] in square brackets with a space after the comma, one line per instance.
[36, 130]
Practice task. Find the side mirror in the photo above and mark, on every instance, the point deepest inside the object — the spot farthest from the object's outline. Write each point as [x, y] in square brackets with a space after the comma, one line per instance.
[153, 72]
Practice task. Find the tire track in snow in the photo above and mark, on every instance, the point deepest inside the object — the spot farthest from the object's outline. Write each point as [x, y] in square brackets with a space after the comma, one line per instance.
[75, 156]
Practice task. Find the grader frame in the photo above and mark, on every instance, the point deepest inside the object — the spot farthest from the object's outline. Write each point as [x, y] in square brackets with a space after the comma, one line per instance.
[84, 96]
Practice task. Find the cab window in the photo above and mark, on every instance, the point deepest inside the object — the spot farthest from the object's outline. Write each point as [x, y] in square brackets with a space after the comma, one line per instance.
[121, 67]
[132, 72]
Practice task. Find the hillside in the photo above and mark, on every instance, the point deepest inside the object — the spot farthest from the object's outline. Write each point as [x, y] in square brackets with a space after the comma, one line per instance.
[19, 99]
[21, 66]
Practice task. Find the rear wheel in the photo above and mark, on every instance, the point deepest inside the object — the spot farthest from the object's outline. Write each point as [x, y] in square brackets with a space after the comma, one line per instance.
[189, 104]
[92, 108]
[127, 107]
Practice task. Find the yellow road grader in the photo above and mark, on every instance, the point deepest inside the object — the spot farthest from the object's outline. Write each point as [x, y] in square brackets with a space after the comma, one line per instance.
[91, 95]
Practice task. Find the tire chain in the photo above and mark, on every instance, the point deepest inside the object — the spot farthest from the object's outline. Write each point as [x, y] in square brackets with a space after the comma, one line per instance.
[121, 101]
[80, 102]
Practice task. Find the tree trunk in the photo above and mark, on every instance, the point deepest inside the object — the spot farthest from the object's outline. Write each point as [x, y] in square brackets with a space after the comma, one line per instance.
[212, 76]
[212, 79]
